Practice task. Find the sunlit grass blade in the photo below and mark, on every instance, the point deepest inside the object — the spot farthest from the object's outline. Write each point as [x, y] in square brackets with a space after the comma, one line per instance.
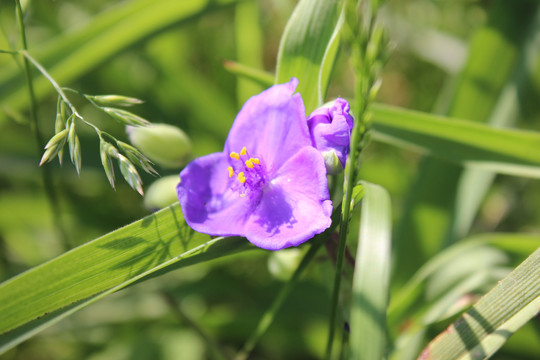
[73, 54]
[156, 244]
[481, 331]
[308, 41]
[403, 301]
[371, 276]
[505, 151]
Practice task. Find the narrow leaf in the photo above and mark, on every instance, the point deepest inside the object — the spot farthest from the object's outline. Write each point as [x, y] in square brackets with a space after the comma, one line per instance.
[506, 151]
[480, 332]
[303, 48]
[161, 242]
[371, 276]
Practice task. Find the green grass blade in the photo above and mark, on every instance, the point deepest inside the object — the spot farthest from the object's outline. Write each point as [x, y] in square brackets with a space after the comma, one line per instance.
[371, 276]
[309, 40]
[505, 151]
[74, 54]
[481, 331]
[404, 300]
[158, 243]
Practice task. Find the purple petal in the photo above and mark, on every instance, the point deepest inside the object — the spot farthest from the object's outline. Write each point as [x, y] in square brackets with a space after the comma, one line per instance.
[295, 206]
[271, 125]
[208, 203]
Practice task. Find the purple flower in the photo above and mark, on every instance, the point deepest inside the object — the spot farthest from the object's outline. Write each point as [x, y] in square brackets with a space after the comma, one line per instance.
[269, 184]
[330, 128]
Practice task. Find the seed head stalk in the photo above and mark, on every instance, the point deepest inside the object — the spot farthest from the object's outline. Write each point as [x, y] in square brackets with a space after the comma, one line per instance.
[366, 45]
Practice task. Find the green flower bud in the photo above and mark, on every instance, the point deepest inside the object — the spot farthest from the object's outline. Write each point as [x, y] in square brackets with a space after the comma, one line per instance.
[161, 193]
[164, 144]
[331, 160]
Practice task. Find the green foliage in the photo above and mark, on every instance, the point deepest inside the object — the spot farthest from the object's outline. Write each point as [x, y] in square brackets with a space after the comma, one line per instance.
[458, 161]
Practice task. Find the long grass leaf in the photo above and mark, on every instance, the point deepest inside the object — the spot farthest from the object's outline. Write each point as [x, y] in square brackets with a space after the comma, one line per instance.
[480, 332]
[307, 42]
[371, 276]
[504, 151]
[158, 243]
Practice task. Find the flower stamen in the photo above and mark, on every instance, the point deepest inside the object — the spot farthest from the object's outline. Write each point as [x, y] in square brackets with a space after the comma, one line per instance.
[243, 151]
[231, 171]
[234, 155]
[241, 177]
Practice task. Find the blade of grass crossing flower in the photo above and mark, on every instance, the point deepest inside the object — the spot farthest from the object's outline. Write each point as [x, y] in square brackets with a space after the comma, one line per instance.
[505, 151]
[481, 331]
[307, 42]
[156, 244]
[371, 276]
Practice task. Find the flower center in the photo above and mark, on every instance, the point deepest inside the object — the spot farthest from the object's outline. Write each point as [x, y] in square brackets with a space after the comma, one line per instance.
[250, 172]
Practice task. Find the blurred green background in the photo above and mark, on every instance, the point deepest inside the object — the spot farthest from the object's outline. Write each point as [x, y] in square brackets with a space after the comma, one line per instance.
[172, 58]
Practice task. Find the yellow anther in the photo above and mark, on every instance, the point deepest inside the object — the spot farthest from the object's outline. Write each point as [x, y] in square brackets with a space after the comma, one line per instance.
[243, 151]
[231, 171]
[254, 160]
[249, 164]
[235, 156]
[241, 177]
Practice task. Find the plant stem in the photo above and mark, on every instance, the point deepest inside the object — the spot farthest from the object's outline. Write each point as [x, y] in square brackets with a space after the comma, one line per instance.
[271, 312]
[183, 317]
[364, 81]
[45, 171]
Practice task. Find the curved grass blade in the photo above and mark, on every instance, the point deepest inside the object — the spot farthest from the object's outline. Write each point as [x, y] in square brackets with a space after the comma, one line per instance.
[371, 276]
[482, 330]
[308, 48]
[156, 244]
[403, 300]
[505, 151]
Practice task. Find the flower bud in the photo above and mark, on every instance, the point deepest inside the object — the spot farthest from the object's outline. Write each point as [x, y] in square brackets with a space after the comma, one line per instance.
[161, 193]
[164, 144]
[330, 129]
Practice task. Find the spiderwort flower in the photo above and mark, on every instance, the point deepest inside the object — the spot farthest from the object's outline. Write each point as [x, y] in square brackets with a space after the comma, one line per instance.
[269, 184]
[330, 129]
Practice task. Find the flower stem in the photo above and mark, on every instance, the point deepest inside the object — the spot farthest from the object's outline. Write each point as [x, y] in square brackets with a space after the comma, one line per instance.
[360, 36]
[271, 312]
[45, 171]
